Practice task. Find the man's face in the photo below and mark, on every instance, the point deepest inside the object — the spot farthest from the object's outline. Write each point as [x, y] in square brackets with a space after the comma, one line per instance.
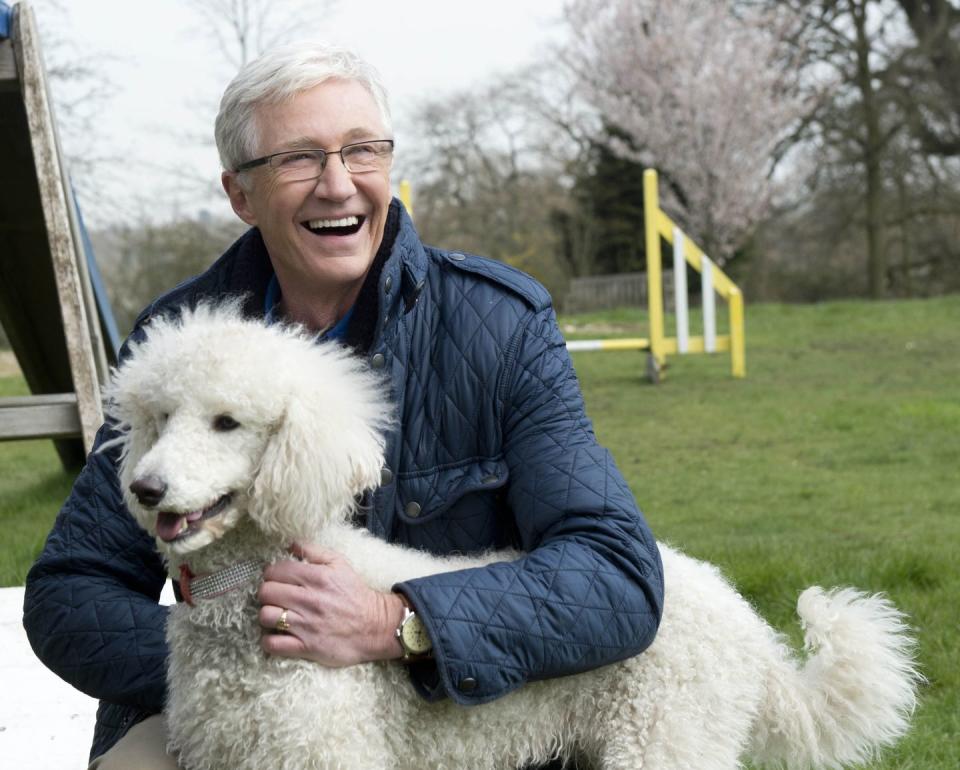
[290, 215]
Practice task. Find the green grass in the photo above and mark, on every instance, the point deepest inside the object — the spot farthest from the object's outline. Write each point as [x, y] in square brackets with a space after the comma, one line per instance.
[32, 487]
[836, 462]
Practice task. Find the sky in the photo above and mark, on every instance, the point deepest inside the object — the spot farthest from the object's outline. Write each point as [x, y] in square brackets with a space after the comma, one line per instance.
[166, 78]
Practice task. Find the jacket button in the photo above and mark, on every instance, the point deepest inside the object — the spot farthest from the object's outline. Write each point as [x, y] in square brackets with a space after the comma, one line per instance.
[489, 479]
[378, 361]
[457, 256]
[413, 510]
[467, 684]
[387, 284]
[386, 476]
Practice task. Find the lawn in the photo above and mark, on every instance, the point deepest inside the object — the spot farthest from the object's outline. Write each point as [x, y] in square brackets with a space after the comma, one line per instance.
[836, 462]
[32, 487]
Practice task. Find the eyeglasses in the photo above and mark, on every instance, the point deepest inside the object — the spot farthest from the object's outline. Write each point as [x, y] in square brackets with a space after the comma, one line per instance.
[303, 165]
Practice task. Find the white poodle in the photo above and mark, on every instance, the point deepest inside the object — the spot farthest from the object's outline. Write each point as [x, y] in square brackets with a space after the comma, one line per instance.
[244, 438]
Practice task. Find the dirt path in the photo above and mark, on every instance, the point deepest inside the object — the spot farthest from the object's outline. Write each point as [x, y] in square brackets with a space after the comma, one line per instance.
[8, 364]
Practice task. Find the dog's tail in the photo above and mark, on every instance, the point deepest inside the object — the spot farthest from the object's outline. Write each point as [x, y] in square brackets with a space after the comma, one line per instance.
[855, 693]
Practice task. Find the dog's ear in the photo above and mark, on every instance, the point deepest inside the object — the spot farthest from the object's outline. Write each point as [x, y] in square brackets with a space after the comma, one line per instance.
[316, 464]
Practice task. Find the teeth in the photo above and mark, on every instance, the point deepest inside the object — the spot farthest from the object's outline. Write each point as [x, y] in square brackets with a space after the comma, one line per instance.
[319, 224]
[185, 525]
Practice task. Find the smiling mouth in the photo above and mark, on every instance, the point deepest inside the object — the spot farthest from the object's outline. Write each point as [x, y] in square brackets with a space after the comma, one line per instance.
[335, 226]
[172, 525]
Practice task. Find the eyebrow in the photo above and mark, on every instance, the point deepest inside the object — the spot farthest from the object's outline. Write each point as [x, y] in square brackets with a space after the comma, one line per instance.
[300, 143]
[306, 143]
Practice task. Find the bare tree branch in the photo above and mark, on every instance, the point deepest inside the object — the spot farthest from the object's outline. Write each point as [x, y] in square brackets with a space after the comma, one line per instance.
[243, 29]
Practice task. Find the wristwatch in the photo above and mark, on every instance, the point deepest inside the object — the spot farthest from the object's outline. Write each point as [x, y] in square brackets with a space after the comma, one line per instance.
[412, 634]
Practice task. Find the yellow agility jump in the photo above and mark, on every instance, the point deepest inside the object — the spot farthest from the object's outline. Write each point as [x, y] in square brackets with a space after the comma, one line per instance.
[658, 225]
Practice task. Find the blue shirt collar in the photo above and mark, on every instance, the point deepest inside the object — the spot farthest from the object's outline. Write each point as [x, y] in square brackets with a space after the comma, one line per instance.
[271, 312]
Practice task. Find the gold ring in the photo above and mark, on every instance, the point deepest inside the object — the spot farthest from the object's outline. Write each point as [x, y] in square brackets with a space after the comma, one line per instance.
[282, 625]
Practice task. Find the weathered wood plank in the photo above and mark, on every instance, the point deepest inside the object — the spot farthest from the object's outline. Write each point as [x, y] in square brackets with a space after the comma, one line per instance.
[52, 416]
[29, 303]
[47, 399]
[64, 250]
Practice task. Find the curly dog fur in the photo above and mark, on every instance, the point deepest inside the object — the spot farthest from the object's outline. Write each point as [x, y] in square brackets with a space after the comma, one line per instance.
[303, 440]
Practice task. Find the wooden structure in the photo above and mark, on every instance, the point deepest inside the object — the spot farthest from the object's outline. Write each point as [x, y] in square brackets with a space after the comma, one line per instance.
[48, 304]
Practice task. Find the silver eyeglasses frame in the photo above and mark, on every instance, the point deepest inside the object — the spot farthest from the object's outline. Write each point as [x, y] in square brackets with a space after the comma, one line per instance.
[277, 160]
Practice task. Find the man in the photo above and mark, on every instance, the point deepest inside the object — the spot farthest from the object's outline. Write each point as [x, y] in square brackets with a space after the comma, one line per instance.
[492, 447]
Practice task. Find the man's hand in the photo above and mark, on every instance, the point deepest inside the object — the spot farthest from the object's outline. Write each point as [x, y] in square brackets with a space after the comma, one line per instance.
[335, 618]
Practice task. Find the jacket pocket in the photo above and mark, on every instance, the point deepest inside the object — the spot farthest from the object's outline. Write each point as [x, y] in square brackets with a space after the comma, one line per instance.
[424, 496]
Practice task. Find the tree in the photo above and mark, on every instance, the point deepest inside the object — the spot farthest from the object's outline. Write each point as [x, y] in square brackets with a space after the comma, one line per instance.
[704, 94]
[242, 29]
[521, 170]
[881, 108]
[607, 200]
[488, 177]
[852, 41]
[928, 75]
[144, 259]
[81, 91]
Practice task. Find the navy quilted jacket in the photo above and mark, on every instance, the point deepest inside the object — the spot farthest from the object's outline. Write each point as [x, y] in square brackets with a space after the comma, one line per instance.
[493, 449]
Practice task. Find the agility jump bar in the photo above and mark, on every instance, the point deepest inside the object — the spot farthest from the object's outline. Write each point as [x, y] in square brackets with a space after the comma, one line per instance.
[634, 343]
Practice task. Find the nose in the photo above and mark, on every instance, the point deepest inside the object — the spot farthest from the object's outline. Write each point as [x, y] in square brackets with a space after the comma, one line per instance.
[335, 183]
[149, 490]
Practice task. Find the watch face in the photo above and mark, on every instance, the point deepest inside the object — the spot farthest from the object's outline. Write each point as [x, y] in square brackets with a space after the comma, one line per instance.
[414, 636]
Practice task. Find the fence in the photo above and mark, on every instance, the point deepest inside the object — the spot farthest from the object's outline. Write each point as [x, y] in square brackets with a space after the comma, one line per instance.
[603, 292]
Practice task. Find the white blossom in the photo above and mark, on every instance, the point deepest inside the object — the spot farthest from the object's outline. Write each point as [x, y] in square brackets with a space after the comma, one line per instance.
[705, 96]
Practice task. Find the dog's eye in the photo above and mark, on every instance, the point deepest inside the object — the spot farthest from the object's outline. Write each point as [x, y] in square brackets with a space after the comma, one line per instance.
[224, 422]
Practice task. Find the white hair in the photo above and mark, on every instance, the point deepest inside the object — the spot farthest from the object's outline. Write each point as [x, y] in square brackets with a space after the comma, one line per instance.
[278, 75]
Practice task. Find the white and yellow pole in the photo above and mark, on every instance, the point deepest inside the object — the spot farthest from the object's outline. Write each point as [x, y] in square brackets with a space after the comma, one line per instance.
[738, 359]
[651, 217]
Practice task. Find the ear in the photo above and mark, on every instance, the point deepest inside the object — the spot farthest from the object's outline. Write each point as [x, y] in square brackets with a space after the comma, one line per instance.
[313, 469]
[239, 197]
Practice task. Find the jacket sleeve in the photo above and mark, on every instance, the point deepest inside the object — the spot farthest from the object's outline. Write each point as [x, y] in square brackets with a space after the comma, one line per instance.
[90, 604]
[589, 590]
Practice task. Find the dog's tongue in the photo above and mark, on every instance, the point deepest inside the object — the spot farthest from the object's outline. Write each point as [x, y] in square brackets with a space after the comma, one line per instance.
[169, 525]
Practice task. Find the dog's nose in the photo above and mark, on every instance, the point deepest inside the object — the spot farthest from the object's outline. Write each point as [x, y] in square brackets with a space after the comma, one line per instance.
[149, 490]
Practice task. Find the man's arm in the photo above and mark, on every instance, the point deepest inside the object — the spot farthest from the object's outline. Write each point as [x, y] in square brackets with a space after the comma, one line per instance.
[590, 589]
[90, 605]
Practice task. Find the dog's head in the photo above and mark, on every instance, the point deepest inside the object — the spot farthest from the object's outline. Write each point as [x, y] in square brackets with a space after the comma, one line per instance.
[223, 418]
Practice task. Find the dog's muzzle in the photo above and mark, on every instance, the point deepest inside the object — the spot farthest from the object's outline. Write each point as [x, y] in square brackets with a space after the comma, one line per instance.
[172, 525]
